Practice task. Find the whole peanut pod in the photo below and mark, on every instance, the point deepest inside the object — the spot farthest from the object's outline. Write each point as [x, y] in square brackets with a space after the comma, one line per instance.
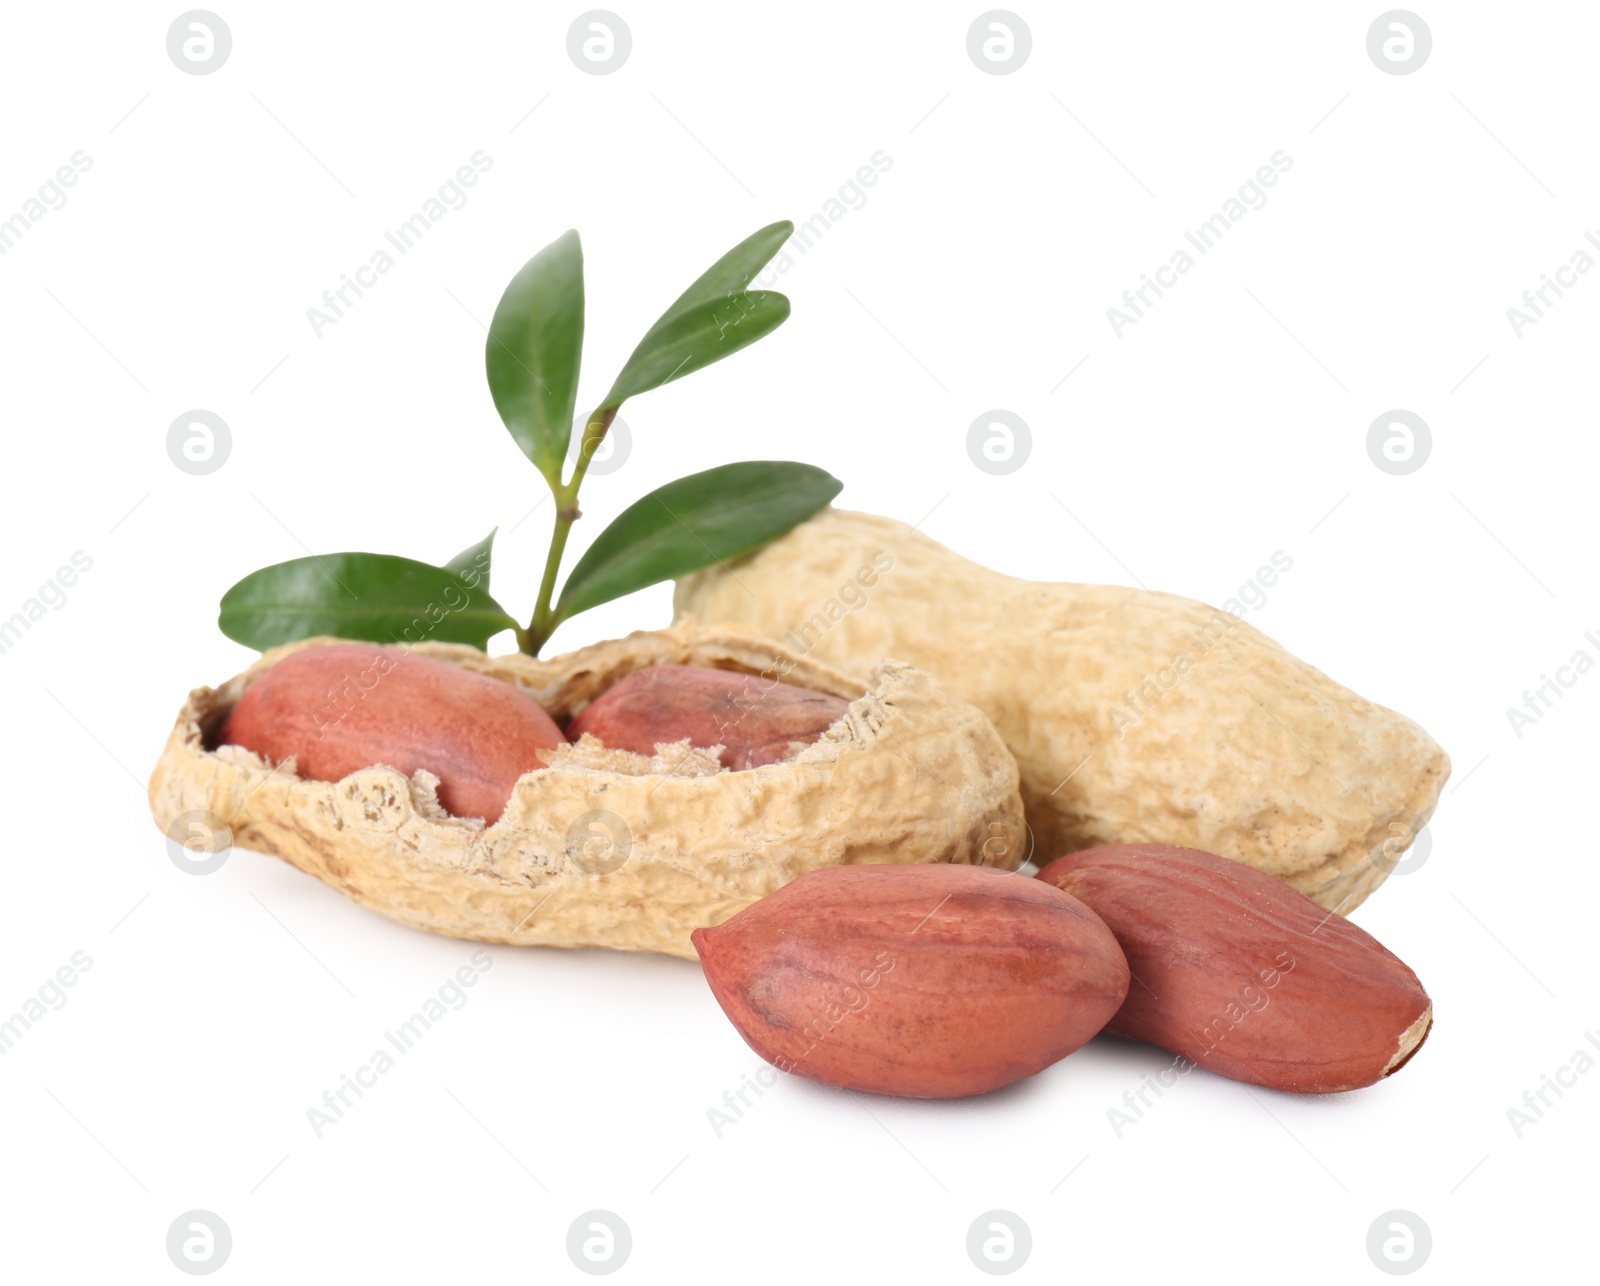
[1162, 719]
[350, 706]
[755, 720]
[1240, 974]
[927, 982]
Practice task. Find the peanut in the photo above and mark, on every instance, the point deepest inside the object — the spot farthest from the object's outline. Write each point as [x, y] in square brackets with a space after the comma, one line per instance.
[927, 982]
[336, 710]
[755, 720]
[606, 848]
[1132, 715]
[1240, 974]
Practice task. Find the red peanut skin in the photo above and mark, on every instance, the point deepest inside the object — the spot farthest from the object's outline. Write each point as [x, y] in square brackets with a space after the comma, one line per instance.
[753, 719]
[1208, 941]
[926, 981]
[344, 707]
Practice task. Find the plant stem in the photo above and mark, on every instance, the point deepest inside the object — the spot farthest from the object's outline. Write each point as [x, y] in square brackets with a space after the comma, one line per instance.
[543, 624]
[594, 433]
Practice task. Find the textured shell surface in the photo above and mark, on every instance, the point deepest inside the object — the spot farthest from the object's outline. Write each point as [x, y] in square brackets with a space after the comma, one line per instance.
[606, 848]
[1237, 747]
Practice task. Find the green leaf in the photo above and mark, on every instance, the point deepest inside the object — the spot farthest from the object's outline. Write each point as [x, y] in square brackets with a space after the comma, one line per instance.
[697, 338]
[360, 596]
[534, 351]
[693, 522]
[718, 315]
[472, 564]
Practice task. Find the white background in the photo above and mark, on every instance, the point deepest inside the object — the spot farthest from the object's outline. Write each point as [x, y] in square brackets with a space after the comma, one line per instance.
[1229, 423]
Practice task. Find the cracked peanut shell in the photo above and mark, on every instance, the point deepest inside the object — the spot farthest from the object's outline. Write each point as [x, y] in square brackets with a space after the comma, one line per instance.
[605, 847]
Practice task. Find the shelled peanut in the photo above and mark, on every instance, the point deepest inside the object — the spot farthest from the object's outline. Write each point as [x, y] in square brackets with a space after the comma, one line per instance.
[926, 982]
[1242, 975]
[335, 710]
[755, 720]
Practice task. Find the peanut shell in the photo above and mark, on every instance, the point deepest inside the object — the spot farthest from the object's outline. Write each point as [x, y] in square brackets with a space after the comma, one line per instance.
[605, 847]
[1235, 747]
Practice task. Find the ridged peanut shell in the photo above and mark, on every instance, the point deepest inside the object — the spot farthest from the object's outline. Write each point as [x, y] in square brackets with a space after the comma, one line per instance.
[607, 848]
[1241, 748]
